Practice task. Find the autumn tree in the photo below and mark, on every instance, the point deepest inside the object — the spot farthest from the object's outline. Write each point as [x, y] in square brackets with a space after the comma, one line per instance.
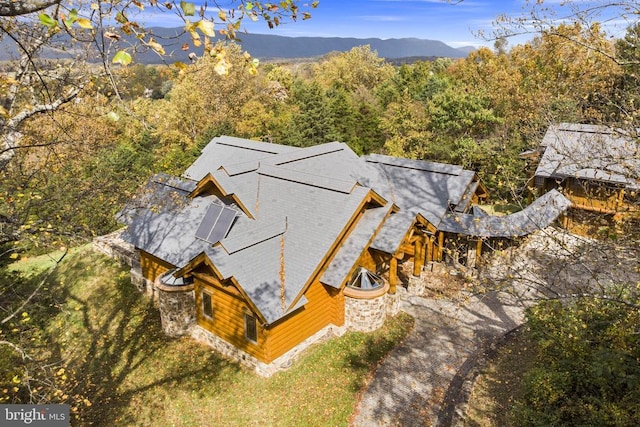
[359, 67]
[350, 81]
[63, 159]
[584, 330]
[105, 32]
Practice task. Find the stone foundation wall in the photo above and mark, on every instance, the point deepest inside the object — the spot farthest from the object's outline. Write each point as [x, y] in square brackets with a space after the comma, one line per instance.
[263, 369]
[114, 247]
[365, 315]
[143, 284]
[177, 311]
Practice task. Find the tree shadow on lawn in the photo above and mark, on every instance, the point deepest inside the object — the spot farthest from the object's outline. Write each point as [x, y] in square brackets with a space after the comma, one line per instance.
[119, 349]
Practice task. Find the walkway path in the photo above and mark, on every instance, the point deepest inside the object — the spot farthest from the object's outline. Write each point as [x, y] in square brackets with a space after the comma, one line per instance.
[419, 383]
[428, 369]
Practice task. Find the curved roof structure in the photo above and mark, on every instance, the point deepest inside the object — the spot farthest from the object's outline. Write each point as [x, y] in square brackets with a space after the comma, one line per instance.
[540, 214]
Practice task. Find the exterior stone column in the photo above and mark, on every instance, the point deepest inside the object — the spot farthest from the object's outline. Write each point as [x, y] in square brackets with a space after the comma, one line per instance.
[416, 284]
[177, 306]
[472, 254]
[365, 311]
[393, 303]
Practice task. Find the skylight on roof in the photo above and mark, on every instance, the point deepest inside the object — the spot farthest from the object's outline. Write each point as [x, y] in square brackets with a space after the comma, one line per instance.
[366, 280]
[216, 223]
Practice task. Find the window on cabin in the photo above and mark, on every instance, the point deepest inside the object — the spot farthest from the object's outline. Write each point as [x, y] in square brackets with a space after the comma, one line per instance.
[250, 328]
[207, 305]
[539, 181]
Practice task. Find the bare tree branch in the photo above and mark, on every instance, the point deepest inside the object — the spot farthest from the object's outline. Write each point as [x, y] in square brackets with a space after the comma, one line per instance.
[11, 134]
[16, 120]
[36, 290]
[10, 8]
[17, 349]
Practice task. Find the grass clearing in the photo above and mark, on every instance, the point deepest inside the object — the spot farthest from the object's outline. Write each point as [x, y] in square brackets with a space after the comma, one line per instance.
[31, 266]
[123, 370]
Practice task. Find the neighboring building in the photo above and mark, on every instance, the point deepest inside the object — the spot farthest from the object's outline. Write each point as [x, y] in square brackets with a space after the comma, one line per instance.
[261, 249]
[596, 167]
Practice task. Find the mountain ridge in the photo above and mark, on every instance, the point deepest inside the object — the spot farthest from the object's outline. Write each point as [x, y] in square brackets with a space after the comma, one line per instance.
[271, 46]
[268, 46]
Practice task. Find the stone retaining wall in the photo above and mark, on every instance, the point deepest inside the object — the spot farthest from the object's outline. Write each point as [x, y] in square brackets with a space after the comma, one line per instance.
[143, 284]
[114, 247]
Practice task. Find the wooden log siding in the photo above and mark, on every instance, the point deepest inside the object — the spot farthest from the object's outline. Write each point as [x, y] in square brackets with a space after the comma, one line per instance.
[229, 308]
[325, 306]
[367, 261]
[597, 203]
[152, 266]
[590, 196]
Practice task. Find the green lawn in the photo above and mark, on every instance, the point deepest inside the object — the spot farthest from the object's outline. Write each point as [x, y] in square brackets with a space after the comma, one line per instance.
[122, 370]
[29, 266]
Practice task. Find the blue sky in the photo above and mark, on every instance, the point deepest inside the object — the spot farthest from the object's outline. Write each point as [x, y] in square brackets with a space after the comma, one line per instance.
[455, 23]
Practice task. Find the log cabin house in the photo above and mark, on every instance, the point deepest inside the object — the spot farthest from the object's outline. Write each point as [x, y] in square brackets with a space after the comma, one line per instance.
[597, 168]
[261, 249]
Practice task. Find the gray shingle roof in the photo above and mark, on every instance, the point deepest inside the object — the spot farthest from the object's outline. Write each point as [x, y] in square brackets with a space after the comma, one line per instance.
[424, 188]
[260, 252]
[299, 216]
[590, 152]
[163, 221]
[254, 235]
[301, 201]
[174, 182]
[422, 165]
[390, 236]
[320, 181]
[359, 239]
[540, 214]
[227, 150]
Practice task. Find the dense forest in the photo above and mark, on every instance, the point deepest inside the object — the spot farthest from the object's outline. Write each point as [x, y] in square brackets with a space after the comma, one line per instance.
[79, 163]
[480, 112]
